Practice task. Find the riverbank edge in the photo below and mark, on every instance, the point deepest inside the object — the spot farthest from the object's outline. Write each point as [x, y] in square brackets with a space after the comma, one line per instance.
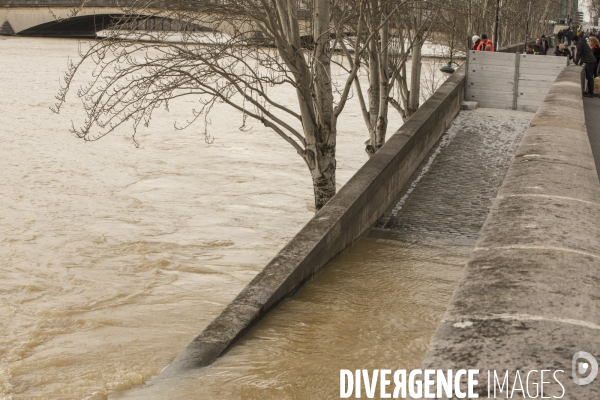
[348, 216]
[529, 293]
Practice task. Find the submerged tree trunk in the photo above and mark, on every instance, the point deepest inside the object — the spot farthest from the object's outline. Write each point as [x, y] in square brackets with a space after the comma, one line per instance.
[323, 174]
[379, 82]
[322, 142]
[415, 73]
[384, 82]
[415, 79]
[373, 94]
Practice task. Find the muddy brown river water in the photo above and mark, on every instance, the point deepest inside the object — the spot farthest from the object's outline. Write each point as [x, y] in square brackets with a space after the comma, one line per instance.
[374, 307]
[378, 304]
[114, 257]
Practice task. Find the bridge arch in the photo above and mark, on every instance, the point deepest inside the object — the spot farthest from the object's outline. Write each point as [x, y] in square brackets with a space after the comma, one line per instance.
[29, 20]
[80, 26]
[58, 22]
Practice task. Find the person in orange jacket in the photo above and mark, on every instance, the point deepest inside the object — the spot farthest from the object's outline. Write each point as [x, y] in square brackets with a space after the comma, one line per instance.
[486, 44]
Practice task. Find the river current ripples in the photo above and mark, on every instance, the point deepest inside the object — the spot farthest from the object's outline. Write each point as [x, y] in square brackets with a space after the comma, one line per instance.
[114, 257]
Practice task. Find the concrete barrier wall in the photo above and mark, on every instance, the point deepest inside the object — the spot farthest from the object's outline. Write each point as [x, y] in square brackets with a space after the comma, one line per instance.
[513, 48]
[529, 296]
[350, 214]
[536, 75]
[520, 47]
[511, 81]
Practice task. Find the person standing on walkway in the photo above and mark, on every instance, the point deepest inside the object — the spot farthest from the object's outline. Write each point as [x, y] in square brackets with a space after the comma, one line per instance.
[486, 44]
[585, 56]
[545, 44]
[476, 42]
[539, 47]
[569, 36]
[483, 44]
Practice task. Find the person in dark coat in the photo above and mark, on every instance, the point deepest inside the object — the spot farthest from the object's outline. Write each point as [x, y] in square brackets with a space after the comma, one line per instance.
[584, 55]
[545, 43]
[563, 51]
[539, 47]
[569, 34]
[560, 35]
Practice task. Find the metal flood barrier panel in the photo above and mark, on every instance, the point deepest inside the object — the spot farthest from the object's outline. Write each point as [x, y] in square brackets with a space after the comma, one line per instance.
[511, 81]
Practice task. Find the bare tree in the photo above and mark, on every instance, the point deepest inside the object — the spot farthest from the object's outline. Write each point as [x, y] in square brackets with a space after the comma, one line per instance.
[464, 18]
[253, 45]
[593, 7]
[387, 32]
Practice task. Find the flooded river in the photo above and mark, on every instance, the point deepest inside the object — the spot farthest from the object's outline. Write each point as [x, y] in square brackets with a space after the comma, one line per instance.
[114, 257]
[378, 304]
[375, 307]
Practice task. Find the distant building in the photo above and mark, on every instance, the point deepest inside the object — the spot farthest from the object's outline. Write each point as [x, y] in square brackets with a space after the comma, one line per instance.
[569, 13]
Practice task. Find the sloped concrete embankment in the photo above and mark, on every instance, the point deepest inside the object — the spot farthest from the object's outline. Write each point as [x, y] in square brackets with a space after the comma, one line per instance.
[355, 209]
[529, 296]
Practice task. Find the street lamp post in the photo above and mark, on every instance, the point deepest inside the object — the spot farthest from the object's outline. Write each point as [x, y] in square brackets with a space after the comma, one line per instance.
[448, 68]
[496, 26]
[528, 19]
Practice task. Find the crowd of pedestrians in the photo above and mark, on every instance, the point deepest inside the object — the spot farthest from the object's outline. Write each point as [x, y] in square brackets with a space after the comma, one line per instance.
[581, 46]
[571, 36]
[540, 47]
[584, 54]
[585, 50]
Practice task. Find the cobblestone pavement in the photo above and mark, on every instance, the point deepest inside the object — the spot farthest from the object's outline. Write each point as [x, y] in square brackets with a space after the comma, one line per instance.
[451, 193]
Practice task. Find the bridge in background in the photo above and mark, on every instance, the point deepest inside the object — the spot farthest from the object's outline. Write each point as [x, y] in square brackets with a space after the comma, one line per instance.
[79, 18]
[52, 18]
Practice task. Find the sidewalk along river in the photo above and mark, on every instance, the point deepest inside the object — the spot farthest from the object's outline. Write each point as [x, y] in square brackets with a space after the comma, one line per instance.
[115, 257]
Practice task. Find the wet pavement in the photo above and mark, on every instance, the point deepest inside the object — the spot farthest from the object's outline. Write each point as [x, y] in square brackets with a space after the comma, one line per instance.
[451, 196]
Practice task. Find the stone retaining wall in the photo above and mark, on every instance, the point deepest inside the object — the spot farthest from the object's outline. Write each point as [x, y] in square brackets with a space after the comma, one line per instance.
[529, 296]
[513, 48]
[350, 214]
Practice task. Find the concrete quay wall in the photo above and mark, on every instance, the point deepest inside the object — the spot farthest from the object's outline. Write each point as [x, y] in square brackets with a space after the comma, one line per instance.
[513, 48]
[529, 296]
[520, 47]
[350, 214]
